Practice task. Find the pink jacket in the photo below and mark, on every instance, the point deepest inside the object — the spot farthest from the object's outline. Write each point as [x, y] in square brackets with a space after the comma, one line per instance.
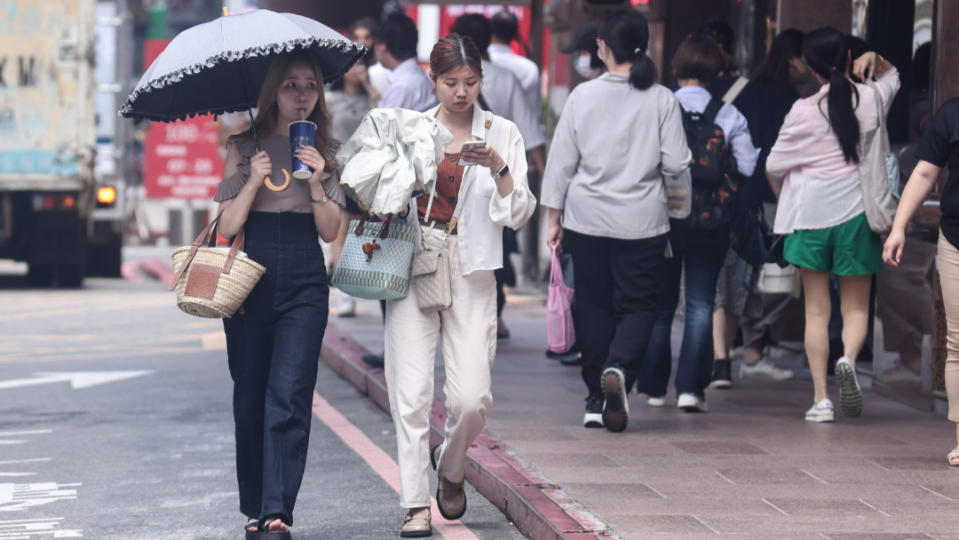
[820, 188]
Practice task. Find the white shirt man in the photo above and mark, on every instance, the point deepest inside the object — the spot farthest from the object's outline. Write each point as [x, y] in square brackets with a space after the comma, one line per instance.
[379, 77]
[504, 95]
[409, 88]
[525, 70]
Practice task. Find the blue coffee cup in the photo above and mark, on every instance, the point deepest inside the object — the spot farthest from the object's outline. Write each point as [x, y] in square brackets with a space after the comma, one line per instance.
[302, 133]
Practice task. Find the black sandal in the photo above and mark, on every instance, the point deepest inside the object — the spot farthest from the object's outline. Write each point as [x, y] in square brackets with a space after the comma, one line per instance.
[265, 532]
[254, 533]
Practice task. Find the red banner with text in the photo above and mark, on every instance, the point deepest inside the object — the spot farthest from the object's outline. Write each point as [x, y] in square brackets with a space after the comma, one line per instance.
[182, 159]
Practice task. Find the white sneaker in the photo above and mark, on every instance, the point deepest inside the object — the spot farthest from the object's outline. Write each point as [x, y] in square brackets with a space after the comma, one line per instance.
[691, 403]
[593, 420]
[821, 412]
[850, 395]
[346, 306]
[764, 369]
[656, 401]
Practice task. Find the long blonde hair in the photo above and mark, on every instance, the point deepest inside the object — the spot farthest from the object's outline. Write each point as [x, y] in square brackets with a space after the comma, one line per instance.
[267, 113]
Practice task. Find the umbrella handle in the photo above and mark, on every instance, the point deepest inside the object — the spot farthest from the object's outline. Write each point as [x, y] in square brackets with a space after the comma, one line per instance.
[273, 187]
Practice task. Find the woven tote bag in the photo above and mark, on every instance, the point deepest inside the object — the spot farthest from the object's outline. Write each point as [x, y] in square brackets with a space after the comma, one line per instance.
[375, 261]
[213, 282]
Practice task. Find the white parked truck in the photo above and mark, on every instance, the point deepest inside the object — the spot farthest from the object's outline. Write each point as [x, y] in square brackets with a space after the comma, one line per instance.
[49, 164]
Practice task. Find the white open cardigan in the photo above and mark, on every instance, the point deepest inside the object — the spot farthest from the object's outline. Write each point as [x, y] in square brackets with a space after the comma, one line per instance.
[485, 212]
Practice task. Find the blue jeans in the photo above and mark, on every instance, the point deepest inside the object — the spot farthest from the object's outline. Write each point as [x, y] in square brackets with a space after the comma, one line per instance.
[700, 256]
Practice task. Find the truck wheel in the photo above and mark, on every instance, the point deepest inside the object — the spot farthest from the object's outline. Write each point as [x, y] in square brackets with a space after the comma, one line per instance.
[39, 275]
[70, 276]
[112, 258]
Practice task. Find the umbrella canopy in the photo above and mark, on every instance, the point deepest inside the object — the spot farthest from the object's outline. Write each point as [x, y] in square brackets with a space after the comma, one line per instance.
[218, 67]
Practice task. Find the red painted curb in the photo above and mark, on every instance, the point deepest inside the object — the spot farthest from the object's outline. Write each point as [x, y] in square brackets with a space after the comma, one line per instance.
[539, 509]
[157, 270]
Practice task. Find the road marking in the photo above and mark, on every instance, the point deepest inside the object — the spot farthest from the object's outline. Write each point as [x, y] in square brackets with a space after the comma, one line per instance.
[381, 463]
[126, 306]
[15, 497]
[23, 529]
[31, 460]
[22, 433]
[9, 442]
[143, 350]
[79, 379]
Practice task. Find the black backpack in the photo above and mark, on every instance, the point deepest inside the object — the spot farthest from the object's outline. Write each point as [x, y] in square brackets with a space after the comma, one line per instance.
[713, 168]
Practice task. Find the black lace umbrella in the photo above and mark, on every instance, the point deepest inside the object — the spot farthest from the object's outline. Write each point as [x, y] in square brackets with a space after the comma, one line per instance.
[218, 67]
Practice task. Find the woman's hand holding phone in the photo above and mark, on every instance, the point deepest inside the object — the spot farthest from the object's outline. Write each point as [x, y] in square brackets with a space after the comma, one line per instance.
[479, 153]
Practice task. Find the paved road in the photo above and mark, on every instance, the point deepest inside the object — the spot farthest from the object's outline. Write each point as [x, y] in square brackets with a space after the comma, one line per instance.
[143, 446]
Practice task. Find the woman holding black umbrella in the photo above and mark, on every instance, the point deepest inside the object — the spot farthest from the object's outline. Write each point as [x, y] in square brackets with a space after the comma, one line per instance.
[274, 344]
[276, 62]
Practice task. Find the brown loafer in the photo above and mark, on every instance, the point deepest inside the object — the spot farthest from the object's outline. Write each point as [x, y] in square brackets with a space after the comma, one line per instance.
[416, 524]
[450, 499]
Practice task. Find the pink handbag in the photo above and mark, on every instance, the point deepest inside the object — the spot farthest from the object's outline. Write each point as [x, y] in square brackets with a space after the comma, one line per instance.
[560, 335]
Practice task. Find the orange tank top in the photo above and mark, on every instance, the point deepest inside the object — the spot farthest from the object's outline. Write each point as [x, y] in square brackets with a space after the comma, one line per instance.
[449, 177]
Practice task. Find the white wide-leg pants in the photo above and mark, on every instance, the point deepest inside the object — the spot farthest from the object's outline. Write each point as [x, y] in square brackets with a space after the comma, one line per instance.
[468, 333]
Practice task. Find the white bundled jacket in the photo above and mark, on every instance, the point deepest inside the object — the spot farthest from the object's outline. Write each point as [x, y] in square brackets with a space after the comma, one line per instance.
[484, 212]
[392, 153]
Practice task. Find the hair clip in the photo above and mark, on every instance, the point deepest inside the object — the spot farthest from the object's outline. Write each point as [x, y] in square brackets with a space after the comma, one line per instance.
[638, 50]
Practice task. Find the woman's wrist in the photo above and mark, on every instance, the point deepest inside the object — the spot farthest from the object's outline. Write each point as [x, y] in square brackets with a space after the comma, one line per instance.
[252, 184]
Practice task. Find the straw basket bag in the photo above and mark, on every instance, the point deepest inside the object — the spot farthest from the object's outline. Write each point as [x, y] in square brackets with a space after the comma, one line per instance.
[213, 282]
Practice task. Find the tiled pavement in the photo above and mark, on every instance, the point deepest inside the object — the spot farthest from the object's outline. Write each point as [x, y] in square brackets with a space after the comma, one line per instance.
[750, 468]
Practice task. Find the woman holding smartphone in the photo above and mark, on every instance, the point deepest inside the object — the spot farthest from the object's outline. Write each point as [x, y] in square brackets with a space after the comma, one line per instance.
[274, 342]
[492, 192]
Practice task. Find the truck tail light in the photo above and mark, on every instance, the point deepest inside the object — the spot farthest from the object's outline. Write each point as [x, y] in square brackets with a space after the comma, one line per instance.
[106, 196]
[55, 201]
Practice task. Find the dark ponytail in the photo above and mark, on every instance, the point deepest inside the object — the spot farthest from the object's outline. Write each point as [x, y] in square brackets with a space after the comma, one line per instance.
[827, 54]
[643, 73]
[626, 34]
[842, 116]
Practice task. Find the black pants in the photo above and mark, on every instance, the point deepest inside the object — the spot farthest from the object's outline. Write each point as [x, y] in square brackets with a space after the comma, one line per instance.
[507, 274]
[273, 349]
[617, 291]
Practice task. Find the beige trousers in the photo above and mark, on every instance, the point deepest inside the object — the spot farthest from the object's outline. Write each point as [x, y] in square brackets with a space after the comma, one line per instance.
[467, 331]
[949, 280]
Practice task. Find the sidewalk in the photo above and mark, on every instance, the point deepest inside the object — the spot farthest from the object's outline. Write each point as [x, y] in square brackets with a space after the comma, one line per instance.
[750, 468]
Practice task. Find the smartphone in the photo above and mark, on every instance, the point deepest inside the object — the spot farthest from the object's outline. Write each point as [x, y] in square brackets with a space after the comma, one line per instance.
[474, 144]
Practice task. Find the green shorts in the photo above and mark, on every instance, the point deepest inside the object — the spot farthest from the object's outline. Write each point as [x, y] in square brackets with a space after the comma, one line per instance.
[847, 249]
